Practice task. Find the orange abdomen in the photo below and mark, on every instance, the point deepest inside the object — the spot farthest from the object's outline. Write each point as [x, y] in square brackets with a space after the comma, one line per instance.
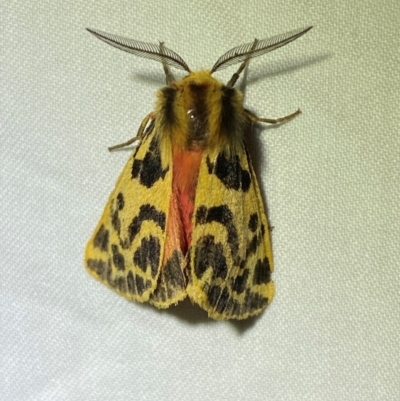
[186, 165]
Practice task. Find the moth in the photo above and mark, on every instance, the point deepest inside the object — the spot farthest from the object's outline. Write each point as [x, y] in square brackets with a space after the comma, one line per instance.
[186, 218]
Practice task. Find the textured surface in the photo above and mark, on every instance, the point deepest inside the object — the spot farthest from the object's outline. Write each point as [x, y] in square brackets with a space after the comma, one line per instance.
[331, 179]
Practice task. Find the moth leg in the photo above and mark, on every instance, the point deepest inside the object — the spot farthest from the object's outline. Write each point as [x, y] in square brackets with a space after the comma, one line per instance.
[169, 77]
[256, 119]
[235, 76]
[142, 131]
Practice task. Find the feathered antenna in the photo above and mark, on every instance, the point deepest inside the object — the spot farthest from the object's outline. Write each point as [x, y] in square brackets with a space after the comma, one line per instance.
[254, 49]
[159, 53]
[169, 77]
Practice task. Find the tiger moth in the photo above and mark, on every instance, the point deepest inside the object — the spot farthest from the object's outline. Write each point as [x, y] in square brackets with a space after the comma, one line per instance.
[186, 218]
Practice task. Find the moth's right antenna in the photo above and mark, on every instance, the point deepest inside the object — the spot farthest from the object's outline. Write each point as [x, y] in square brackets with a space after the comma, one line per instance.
[253, 49]
[169, 77]
[235, 76]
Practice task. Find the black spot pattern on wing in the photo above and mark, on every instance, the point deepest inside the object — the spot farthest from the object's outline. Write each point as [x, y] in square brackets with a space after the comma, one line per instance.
[101, 239]
[210, 254]
[120, 284]
[221, 301]
[240, 282]
[97, 265]
[146, 212]
[234, 296]
[131, 283]
[120, 201]
[173, 274]
[136, 284]
[171, 281]
[254, 301]
[147, 255]
[115, 221]
[118, 258]
[253, 222]
[224, 304]
[140, 286]
[262, 272]
[258, 236]
[149, 170]
[230, 172]
[218, 298]
[255, 242]
[223, 215]
[253, 245]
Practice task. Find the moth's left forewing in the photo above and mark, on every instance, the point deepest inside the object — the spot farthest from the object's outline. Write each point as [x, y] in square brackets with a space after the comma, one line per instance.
[127, 250]
[230, 259]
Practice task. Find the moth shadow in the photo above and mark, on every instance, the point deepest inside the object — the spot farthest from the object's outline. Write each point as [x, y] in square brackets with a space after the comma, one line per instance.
[156, 79]
[241, 326]
[189, 312]
[194, 315]
[282, 68]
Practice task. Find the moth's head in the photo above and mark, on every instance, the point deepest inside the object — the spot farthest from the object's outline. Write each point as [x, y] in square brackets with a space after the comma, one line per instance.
[197, 81]
[200, 78]
[195, 93]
